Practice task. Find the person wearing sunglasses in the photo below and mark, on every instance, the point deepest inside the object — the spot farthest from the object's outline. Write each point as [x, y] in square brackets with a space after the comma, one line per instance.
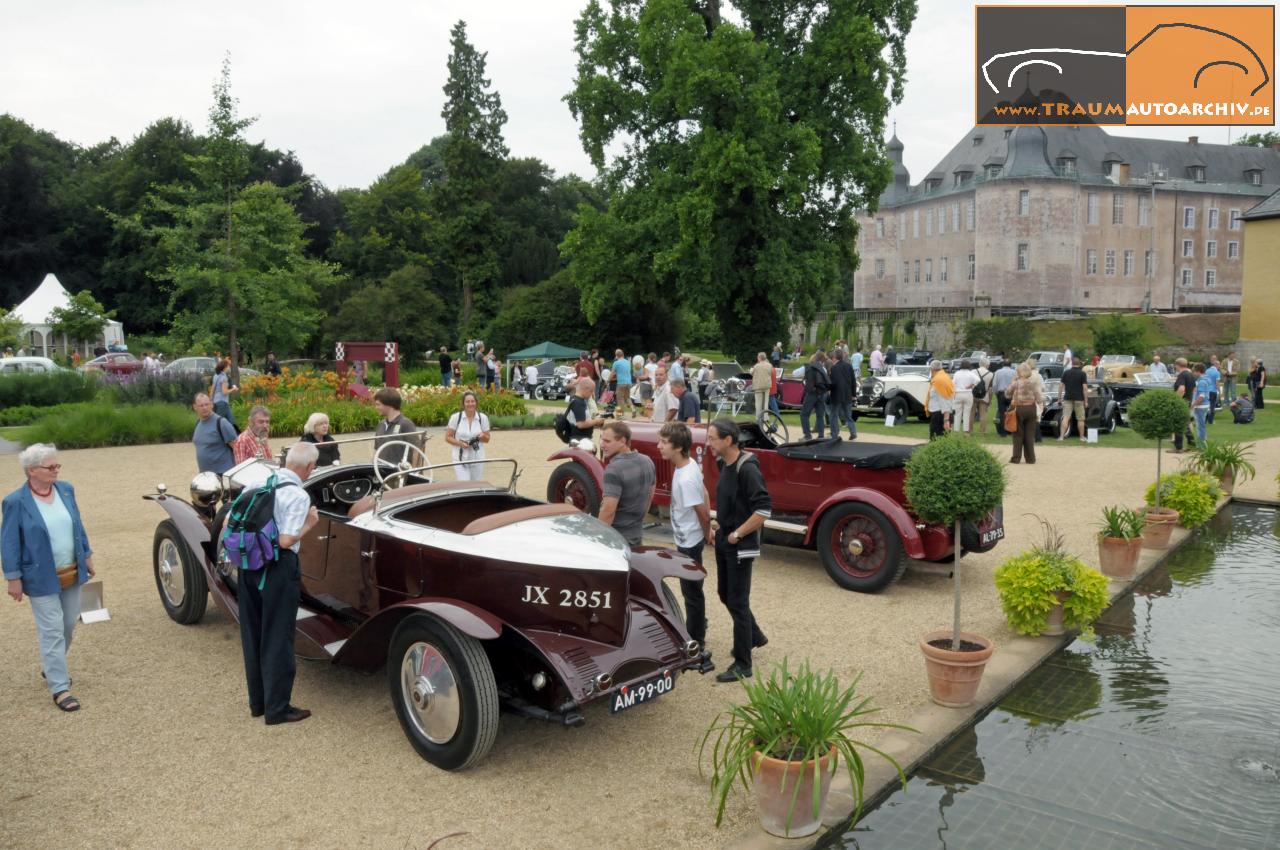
[45, 554]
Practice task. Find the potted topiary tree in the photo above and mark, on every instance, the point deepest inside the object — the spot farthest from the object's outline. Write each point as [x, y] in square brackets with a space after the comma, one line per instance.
[951, 481]
[1156, 414]
[1227, 462]
[1048, 590]
[788, 740]
[1119, 541]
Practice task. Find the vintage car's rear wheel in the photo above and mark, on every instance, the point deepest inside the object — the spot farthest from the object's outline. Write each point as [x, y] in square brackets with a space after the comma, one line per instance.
[183, 590]
[860, 548]
[444, 692]
[897, 408]
[572, 484]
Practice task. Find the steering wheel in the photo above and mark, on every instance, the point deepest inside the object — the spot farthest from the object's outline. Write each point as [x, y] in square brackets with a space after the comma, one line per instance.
[401, 467]
[772, 426]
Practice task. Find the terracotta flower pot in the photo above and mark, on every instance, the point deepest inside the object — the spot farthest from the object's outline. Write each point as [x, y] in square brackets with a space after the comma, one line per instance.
[775, 784]
[954, 676]
[1118, 556]
[1227, 482]
[1054, 627]
[1159, 525]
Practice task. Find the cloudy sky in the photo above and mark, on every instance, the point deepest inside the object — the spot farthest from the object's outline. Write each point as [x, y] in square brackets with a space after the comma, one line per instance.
[355, 88]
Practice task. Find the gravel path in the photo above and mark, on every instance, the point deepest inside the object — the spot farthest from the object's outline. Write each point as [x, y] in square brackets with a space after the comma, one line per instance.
[164, 753]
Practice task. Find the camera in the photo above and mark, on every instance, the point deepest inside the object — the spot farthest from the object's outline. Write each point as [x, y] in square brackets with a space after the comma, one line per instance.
[474, 444]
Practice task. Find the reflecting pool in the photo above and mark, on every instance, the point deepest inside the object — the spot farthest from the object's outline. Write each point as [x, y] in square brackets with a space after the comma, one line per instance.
[1164, 733]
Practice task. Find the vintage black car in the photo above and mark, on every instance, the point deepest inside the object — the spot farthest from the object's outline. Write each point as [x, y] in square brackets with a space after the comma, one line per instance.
[473, 597]
[1101, 410]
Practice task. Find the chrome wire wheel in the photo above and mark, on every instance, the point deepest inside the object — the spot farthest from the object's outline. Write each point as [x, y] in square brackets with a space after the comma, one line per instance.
[430, 692]
[171, 572]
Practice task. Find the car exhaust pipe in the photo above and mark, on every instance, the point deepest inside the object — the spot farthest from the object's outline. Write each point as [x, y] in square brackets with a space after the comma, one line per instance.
[692, 649]
[603, 682]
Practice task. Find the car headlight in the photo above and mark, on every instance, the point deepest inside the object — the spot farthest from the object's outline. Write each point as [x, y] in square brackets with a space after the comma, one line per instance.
[206, 488]
[877, 389]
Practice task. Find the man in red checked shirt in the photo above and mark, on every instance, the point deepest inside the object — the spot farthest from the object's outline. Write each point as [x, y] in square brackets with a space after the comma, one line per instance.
[252, 442]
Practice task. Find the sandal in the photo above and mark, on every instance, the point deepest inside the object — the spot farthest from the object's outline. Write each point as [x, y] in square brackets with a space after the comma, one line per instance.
[67, 703]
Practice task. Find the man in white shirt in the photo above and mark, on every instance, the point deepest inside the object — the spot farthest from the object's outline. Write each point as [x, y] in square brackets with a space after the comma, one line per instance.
[664, 403]
[269, 613]
[530, 379]
[877, 362]
[1158, 369]
[964, 380]
[690, 521]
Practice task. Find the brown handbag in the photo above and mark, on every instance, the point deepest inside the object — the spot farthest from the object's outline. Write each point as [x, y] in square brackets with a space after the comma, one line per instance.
[1011, 419]
[67, 576]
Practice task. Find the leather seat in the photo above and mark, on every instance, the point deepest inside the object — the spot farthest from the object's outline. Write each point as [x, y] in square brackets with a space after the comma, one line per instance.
[402, 493]
[504, 518]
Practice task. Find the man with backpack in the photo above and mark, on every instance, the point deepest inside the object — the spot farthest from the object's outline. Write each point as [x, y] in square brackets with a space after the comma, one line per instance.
[213, 437]
[270, 581]
[576, 423]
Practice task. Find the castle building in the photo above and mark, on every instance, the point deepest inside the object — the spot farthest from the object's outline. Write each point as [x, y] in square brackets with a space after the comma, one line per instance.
[1064, 217]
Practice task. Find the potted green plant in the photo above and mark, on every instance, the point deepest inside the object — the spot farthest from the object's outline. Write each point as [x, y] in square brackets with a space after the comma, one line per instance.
[951, 481]
[1119, 541]
[1154, 415]
[1227, 462]
[1047, 590]
[1194, 495]
[788, 740]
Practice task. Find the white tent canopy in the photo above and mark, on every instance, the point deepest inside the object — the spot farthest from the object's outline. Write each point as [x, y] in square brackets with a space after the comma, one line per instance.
[37, 323]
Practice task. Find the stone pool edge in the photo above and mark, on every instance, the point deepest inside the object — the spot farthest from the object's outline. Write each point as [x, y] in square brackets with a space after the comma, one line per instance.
[1012, 662]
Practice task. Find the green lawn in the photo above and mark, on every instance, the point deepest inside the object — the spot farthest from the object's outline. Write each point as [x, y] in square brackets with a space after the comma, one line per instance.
[1266, 424]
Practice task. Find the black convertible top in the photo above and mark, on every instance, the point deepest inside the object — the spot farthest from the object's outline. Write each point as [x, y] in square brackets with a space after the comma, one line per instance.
[835, 449]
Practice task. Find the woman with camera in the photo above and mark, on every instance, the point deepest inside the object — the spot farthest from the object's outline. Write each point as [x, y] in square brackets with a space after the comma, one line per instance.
[467, 432]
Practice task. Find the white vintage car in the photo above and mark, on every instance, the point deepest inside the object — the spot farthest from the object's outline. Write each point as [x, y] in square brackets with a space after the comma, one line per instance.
[899, 393]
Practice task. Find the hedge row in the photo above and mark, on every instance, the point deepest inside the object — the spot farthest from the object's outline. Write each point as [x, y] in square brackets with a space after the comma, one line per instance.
[29, 414]
[288, 416]
[46, 390]
[94, 425]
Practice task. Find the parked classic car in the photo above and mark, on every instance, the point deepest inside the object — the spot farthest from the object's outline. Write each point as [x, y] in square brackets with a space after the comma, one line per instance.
[202, 366]
[472, 596]
[901, 392]
[113, 362]
[1101, 410]
[29, 366]
[1050, 364]
[1118, 368]
[843, 498]
[972, 358]
[1124, 392]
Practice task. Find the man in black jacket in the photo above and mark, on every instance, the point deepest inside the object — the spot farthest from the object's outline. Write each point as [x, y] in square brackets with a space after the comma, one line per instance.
[844, 385]
[816, 385]
[742, 506]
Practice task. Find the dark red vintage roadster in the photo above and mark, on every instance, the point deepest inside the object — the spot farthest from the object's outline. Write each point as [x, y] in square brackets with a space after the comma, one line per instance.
[843, 498]
[474, 597]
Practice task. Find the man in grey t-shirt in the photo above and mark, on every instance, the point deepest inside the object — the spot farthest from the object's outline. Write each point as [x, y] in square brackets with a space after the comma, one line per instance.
[629, 478]
[213, 437]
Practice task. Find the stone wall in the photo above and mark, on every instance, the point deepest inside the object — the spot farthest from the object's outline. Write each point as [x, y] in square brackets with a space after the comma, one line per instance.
[939, 330]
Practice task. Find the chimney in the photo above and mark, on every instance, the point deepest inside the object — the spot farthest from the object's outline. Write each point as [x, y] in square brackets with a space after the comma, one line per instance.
[1123, 178]
[1193, 140]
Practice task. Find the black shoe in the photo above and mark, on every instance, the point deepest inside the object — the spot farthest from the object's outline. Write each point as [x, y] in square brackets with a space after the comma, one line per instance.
[256, 712]
[760, 641]
[735, 672]
[291, 715]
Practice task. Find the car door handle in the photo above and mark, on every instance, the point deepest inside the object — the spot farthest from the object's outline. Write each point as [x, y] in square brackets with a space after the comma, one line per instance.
[324, 537]
[366, 554]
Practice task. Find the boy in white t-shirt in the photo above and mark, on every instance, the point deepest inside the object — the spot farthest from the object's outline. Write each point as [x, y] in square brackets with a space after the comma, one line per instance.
[690, 521]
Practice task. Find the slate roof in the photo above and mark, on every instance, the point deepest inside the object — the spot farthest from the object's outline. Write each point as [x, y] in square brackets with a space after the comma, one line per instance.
[1225, 165]
[1270, 208]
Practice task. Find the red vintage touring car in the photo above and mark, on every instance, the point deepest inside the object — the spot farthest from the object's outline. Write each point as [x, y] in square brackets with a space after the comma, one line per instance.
[473, 597]
[843, 498]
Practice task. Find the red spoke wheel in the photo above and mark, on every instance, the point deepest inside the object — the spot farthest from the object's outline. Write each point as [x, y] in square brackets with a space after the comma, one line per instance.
[571, 483]
[860, 548]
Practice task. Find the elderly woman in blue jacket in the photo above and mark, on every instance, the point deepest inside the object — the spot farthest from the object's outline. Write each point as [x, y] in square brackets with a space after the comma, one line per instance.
[45, 553]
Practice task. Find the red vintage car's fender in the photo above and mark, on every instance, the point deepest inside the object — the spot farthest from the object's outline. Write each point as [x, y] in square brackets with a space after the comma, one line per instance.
[903, 522]
[366, 649]
[651, 564]
[588, 461]
[193, 527]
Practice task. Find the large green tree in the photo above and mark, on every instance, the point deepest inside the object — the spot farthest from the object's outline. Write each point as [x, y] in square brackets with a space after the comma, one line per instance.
[387, 226]
[1259, 140]
[735, 148]
[402, 307]
[468, 228]
[83, 318]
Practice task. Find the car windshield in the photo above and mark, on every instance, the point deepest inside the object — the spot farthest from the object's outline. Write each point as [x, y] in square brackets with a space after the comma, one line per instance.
[1146, 378]
[1118, 359]
[908, 371]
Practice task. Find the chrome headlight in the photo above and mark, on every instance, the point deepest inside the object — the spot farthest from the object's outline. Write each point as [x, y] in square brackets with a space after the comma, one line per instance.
[206, 488]
[877, 389]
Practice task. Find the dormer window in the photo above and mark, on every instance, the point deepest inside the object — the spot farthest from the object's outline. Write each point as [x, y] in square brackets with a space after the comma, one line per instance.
[932, 184]
[1196, 173]
[1067, 164]
[1253, 175]
[993, 171]
[977, 140]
